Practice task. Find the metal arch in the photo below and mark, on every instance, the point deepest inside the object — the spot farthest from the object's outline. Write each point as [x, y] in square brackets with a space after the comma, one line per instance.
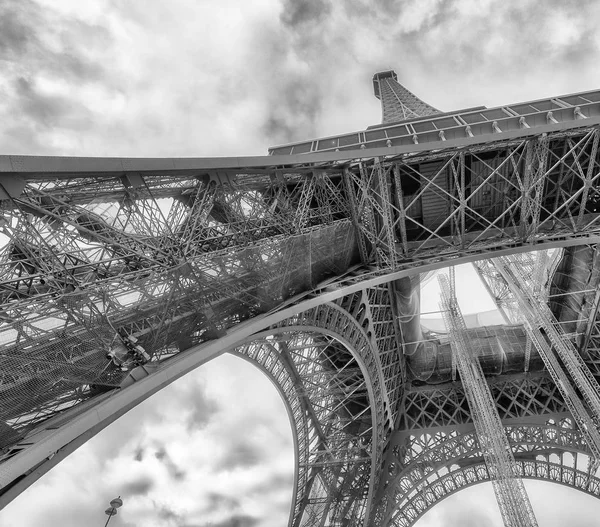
[443, 463]
[275, 371]
[335, 321]
[475, 474]
[153, 256]
[304, 399]
[361, 278]
[355, 341]
[318, 319]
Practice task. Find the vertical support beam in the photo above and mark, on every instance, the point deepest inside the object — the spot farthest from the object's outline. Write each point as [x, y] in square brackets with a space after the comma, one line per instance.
[489, 285]
[458, 176]
[304, 204]
[355, 214]
[452, 280]
[401, 210]
[589, 178]
[369, 222]
[533, 185]
[511, 495]
[385, 203]
[550, 342]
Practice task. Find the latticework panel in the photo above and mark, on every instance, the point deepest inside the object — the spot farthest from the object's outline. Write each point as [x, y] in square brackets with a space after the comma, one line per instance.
[334, 320]
[374, 310]
[439, 205]
[429, 467]
[516, 397]
[315, 358]
[101, 274]
[327, 397]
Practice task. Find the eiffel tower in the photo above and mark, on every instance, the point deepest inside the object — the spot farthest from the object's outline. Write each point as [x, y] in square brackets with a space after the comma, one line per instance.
[118, 276]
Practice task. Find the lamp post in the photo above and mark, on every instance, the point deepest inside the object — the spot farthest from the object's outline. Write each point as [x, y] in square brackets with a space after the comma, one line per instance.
[112, 510]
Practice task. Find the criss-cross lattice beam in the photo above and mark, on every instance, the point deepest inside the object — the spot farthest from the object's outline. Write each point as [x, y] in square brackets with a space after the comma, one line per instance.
[510, 493]
[516, 398]
[326, 394]
[552, 344]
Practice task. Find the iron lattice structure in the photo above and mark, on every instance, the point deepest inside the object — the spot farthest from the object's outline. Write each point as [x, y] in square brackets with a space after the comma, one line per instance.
[117, 276]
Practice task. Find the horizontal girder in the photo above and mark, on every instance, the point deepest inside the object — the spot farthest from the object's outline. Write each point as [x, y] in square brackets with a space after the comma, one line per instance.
[433, 127]
[518, 397]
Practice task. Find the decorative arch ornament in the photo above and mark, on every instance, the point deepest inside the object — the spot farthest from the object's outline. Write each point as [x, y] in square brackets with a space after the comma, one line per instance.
[432, 465]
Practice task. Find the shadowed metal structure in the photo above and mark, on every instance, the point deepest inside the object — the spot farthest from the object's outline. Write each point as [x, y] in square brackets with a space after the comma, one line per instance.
[118, 276]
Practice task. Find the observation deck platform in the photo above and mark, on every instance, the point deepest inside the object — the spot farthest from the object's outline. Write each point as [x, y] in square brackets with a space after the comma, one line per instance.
[467, 123]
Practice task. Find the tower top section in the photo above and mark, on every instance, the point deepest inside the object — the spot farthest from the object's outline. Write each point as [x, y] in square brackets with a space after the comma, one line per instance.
[397, 103]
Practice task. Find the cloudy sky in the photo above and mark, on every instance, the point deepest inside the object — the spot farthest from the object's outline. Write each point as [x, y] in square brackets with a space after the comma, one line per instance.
[232, 77]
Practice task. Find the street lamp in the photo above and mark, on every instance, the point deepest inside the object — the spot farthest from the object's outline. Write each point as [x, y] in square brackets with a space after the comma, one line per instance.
[112, 510]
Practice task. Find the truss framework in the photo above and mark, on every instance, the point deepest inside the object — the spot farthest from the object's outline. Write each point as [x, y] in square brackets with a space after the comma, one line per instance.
[511, 495]
[108, 273]
[329, 406]
[338, 468]
[551, 344]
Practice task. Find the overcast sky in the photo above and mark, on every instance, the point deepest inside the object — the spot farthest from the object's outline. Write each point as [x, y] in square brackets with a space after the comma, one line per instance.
[232, 77]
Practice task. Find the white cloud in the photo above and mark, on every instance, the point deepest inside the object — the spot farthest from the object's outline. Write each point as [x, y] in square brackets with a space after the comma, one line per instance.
[240, 460]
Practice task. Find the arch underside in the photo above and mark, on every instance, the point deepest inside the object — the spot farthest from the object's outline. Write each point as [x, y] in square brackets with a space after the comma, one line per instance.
[432, 465]
[475, 474]
[324, 367]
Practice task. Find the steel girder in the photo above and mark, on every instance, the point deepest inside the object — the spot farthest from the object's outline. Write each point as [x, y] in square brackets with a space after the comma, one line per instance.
[521, 276]
[553, 344]
[512, 498]
[590, 346]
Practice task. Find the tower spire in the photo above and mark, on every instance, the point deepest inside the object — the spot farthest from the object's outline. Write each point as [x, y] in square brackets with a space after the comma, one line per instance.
[397, 103]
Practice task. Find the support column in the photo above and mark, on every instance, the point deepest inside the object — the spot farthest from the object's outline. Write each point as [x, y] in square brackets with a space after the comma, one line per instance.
[552, 345]
[510, 492]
